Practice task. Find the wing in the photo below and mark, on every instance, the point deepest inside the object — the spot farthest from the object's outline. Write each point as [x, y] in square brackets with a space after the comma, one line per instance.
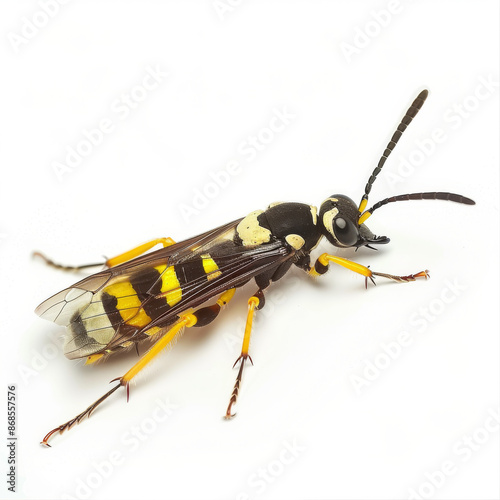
[60, 307]
[127, 303]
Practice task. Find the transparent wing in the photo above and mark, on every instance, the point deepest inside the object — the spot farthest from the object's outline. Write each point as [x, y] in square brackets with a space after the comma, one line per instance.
[60, 307]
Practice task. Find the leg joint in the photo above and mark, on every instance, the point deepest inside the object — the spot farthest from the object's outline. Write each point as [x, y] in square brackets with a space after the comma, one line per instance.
[257, 299]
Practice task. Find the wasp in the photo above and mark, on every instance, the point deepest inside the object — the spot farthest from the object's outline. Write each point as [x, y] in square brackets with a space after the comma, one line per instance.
[143, 295]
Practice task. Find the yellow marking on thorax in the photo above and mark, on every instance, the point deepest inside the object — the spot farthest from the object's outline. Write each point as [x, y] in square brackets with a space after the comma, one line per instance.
[128, 304]
[170, 286]
[210, 267]
[251, 232]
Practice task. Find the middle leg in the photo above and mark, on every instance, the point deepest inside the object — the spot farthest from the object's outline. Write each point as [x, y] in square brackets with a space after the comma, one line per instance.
[255, 302]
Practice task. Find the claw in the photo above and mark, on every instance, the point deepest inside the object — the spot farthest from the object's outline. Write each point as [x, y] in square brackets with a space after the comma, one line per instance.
[372, 279]
[127, 386]
[243, 357]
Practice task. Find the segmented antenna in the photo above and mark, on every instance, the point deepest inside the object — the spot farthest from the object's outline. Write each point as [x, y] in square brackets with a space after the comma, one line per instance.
[457, 198]
[407, 118]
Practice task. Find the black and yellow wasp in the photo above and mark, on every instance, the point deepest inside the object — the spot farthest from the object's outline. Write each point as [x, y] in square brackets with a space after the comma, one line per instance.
[154, 296]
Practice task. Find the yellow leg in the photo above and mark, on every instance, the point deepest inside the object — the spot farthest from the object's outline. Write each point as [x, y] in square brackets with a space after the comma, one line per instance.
[254, 302]
[323, 261]
[114, 261]
[185, 321]
[135, 252]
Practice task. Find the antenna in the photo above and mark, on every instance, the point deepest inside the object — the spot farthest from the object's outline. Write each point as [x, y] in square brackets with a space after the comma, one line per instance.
[457, 198]
[407, 119]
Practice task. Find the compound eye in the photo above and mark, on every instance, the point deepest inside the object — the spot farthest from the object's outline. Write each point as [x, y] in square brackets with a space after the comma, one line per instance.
[345, 231]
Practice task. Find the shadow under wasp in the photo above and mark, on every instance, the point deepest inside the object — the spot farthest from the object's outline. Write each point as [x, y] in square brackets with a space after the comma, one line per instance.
[154, 296]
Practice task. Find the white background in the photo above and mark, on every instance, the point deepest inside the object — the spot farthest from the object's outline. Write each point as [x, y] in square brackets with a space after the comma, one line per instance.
[228, 71]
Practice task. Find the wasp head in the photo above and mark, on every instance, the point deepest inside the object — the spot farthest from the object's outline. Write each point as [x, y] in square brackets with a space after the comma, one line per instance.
[343, 223]
[339, 223]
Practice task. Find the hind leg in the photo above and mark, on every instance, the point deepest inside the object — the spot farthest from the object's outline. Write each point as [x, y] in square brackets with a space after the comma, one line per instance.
[201, 317]
[114, 261]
